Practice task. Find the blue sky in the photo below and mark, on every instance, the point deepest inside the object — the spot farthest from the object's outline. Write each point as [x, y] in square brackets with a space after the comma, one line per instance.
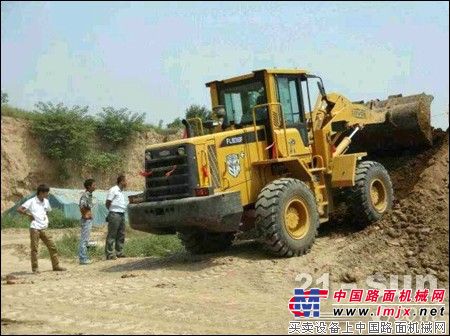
[156, 57]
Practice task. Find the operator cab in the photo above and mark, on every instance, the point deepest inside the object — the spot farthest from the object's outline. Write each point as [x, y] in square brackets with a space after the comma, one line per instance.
[295, 91]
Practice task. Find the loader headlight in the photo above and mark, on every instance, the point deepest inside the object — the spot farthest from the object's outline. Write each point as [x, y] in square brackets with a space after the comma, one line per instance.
[148, 156]
[181, 151]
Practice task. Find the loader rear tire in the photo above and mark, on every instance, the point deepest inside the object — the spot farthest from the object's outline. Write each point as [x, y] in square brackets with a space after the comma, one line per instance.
[287, 218]
[372, 194]
[197, 241]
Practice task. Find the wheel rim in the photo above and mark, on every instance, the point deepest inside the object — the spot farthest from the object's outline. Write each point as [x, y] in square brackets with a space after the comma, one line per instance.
[296, 219]
[378, 195]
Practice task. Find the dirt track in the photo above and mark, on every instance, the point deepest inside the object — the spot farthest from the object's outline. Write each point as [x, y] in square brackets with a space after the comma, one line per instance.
[241, 291]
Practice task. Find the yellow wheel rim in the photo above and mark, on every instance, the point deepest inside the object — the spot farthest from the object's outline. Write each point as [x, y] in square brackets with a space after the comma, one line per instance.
[378, 195]
[296, 218]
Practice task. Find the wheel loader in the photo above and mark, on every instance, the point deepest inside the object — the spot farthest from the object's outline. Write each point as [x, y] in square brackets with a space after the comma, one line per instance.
[276, 150]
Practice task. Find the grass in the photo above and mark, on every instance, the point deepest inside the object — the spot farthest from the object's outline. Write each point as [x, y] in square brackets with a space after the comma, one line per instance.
[137, 244]
[15, 221]
[57, 220]
[147, 245]
[56, 217]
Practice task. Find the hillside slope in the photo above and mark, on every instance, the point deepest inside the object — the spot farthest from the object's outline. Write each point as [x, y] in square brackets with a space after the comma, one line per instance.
[24, 167]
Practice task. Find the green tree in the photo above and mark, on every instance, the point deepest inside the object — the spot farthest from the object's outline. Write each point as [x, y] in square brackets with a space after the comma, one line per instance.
[4, 97]
[176, 123]
[115, 126]
[197, 111]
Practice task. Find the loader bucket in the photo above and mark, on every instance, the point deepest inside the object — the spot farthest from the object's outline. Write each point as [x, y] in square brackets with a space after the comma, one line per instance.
[407, 124]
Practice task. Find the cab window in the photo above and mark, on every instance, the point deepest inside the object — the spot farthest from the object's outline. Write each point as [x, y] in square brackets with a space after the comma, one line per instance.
[290, 98]
[240, 99]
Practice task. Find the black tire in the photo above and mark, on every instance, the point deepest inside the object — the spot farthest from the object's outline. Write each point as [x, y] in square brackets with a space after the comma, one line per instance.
[197, 241]
[271, 208]
[370, 175]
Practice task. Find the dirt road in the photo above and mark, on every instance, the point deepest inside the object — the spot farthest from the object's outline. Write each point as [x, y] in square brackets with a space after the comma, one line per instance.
[241, 291]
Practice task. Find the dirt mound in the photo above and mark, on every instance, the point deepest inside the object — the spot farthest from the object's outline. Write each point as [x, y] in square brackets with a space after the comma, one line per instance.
[413, 238]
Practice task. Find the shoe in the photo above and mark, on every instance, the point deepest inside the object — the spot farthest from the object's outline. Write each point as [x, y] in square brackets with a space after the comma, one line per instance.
[111, 257]
[121, 256]
[91, 244]
[85, 262]
[59, 269]
[36, 271]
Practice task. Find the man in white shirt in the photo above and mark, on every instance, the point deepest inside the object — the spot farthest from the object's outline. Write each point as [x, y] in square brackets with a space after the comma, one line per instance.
[115, 203]
[36, 209]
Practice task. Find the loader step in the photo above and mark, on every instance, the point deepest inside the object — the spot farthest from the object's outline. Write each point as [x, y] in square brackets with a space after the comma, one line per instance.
[313, 170]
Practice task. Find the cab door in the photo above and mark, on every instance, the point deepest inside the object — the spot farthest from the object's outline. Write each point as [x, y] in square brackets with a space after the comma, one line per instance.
[290, 97]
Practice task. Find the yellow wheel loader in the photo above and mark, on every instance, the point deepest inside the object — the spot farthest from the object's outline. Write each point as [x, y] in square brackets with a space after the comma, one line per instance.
[273, 153]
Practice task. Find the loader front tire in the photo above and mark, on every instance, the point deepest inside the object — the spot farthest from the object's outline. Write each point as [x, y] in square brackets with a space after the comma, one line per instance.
[372, 194]
[287, 218]
[198, 241]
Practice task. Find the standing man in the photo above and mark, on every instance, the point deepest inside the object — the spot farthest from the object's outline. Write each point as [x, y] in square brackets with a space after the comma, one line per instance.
[115, 203]
[36, 209]
[86, 205]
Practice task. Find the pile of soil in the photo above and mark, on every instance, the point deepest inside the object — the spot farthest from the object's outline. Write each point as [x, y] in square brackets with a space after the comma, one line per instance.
[413, 237]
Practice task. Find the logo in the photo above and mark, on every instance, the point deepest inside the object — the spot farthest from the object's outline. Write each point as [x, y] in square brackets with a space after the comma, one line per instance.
[234, 140]
[233, 164]
[306, 303]
[244, 138]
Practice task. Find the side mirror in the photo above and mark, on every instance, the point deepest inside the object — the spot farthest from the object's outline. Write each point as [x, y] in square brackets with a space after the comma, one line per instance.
[321, 90]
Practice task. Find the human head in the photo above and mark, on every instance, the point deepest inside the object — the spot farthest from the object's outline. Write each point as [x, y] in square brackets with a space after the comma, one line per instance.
[122, 181]
[42, 191]
[89, 184]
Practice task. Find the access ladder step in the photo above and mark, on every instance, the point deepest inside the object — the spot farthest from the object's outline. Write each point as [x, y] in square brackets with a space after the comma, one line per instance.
[313, 170]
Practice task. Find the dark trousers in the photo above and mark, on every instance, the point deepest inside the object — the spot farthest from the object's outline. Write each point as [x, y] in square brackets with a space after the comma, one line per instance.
[116, 234]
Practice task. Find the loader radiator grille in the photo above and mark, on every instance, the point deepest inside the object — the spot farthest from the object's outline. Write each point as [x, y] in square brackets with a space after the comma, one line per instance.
[213, 166]
[171, 175]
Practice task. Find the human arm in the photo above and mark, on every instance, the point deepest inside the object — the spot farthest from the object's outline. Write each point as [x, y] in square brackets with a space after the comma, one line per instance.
[109, 197]
[24, 211]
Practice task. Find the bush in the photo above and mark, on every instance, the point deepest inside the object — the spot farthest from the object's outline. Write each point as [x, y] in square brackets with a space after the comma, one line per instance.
[64, 132]
[115, 126]
[103, 161]
[15, 112]
[176, 123]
